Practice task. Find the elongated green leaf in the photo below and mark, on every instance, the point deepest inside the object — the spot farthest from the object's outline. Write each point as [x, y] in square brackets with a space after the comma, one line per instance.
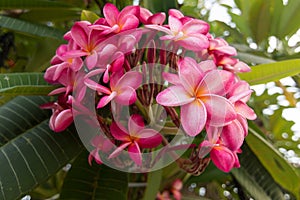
[94, 182]
[87, 15]
[251, 58]
[15, 84]
[31, 152]
[277, 166]
[254, 177]
[30, 28]
[32, 4]
[51, 14]
[19, 115]
[153, 183]
[271, 71]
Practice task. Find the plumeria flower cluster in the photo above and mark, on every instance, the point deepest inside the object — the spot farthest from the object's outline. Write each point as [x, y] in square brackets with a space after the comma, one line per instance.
[132, 58]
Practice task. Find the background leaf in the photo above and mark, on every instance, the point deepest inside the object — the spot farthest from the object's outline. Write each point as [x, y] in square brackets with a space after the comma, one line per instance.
[94, 182]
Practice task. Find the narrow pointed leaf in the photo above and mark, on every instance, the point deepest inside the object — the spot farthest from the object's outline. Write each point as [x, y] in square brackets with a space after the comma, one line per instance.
[271, 71]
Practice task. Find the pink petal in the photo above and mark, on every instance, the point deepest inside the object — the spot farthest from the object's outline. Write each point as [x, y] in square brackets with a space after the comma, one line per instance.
[91, 60]
[79, 34]
[204, 148]
[174, 96]
[233, 135]
[96, 86]
[243, 109]
[126, 96]
[244, 123]
[128, 22]
[135, 153]
[189, 73]
[131, 79]
[241, 67]
[111, 13]
[193, 117]
[171, 78]
[63, 120]
[130, 10]
[195, 27]
[135, 124]
[118, 131]
[175, 24]
[159, 28]
[106, 99]
[220, 110]
[94, 155]
[223, 158]
[194, 42]
[157, 18]
[144, 15]
[149, 138]
[119, 150]
[207, 65]
[217, 82]
[175, 13]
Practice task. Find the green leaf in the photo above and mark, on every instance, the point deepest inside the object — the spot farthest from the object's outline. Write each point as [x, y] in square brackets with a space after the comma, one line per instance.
[251, 58]
[153, 184]
[254, 177]
[30, 28]
[51, 14]
[15, 84]
[90, 16]
[31, 152]
[32, 4]
[94, 182]
[277, 166]
[160, 6]
[271, 71]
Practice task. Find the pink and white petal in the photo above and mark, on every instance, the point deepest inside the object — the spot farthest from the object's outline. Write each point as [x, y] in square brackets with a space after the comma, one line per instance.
[244, 123]
[207, 65]
[171, 78]
[193, 117]
[233, 135]
[111, 13]
[96, 86]
[194, 42]
[220, 111]
[213, 133]
[106, 99]
[174, 96]
[126, 96]
[223, 158]
[241, 67]
[217, 82]
[243, 109]
[132, 79]
[175, 13]
[91, 60]
[135, 124]
[239, 88]
[118, 131]
[228, 50]
[195, 27]
[119, 150]
[167, 37]
[149, 138]
[95, 72]
[175, 24]
[135, 153]
[159, 28]
[189, 73]
[204, 148]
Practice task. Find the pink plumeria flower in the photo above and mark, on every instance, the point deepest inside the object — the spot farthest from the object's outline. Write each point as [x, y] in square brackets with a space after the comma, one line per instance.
[102, 144]
[190, 35]
[62, 116]
[122, 88]
[89, 41]
[135, 137]
[118, 21]
[147, 17]
[200, 96]
[223, 146]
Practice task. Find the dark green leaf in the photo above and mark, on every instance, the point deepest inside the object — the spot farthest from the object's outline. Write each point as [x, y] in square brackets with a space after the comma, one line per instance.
[153, 184]
[30, 28]
[160, 6]
[32, 4]
[94, 182]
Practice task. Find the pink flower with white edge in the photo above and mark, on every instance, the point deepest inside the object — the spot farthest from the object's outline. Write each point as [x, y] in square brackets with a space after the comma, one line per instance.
[134, 138]
[102, 144]
[122, 88]
[190, 34]
[200, 95]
